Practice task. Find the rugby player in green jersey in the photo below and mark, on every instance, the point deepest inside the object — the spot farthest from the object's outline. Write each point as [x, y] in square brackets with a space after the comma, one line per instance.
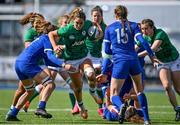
[63, 21]
[75, 53]
[169, 70]
[95, 48]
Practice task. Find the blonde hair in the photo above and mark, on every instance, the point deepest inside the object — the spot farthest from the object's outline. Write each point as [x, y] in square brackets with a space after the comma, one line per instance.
[65, 16]
[77, 12]
[45, 27]
[38, 22]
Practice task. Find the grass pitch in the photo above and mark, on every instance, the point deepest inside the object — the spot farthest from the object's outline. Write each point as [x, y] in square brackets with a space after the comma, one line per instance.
[161, 112]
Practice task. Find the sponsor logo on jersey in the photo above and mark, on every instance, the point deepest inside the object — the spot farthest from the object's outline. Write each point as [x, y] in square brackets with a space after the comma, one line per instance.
[77, 43]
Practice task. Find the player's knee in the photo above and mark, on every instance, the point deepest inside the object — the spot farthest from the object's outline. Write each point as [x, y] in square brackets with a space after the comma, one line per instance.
[89, 73]
[20, 91]
[167, 87]
[78, 89]
[39, 88]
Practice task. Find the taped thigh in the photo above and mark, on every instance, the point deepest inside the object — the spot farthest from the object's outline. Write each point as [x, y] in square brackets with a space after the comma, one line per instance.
[29, 87]
[46, 80]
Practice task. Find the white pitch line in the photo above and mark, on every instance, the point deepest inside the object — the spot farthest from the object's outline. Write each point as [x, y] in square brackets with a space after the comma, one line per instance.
[67, 109]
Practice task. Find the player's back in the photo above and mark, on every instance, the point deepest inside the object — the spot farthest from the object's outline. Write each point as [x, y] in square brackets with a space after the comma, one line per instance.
[35, 50]
[123, 41]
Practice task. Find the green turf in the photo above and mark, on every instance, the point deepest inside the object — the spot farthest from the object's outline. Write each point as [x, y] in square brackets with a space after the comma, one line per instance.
[59, 105]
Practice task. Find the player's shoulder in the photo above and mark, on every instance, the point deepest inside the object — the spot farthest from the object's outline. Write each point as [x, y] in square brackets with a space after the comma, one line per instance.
[133, 24]
[112, 25]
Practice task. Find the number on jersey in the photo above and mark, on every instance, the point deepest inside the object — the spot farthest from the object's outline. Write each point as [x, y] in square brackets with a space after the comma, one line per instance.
[121, 36]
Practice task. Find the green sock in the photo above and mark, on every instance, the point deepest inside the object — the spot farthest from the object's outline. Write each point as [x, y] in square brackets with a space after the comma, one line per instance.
[72, 99]
[100, 94]
[36, 93]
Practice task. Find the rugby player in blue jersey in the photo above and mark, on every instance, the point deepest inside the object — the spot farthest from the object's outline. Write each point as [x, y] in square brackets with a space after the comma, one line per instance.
[27, 70]
[111, 112]
[119, 42]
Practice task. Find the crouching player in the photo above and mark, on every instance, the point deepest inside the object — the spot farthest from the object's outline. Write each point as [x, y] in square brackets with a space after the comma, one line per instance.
[112, 112]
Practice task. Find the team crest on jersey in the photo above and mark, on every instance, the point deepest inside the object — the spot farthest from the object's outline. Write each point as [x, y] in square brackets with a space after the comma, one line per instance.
[84, 33]
[71, 37]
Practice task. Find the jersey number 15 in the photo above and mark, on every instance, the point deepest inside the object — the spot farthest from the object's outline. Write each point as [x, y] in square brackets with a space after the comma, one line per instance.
[121, 36]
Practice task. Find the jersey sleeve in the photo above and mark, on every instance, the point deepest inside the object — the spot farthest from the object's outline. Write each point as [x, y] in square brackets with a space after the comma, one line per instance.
[136, 29]
[30, 35]
[160, 35]
[106, 62]
[63, 32]
[50, 54]
[107, 43]
[144, 43]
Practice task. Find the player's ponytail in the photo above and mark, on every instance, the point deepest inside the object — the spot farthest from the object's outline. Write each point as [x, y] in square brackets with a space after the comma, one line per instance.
[121, 14]
[26, 19]
[31, 18]
[49, 27]
[44, 27]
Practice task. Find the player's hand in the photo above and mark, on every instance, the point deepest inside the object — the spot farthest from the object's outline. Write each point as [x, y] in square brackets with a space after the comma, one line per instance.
[58, 50]
[155, 61]
[101, 78]
[126, 96]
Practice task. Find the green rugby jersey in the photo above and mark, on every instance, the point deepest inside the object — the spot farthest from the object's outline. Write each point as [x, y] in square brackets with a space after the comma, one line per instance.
[74, 40]
[166, 51]
[30, 35]
[95, 47]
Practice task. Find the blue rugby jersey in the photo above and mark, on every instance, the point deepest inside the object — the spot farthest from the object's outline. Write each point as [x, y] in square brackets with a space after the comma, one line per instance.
[120, 48]
[38, 49]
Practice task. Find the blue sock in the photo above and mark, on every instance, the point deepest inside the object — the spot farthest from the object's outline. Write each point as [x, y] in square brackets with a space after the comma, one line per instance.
[116, 101]
[42, 104]
[14, 111]
[143, 102]
[140, 113]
